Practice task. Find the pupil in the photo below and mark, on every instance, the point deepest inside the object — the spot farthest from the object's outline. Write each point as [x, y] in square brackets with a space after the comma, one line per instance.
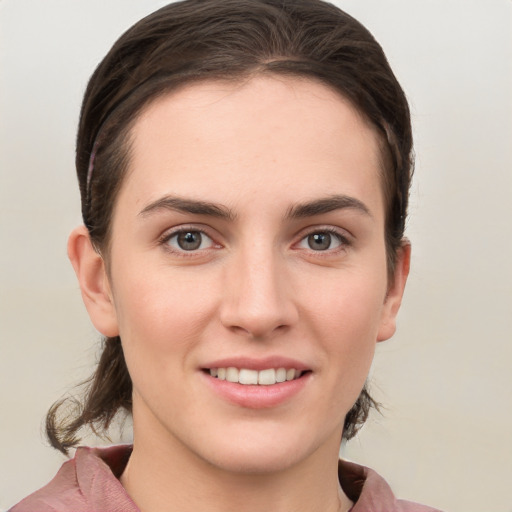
[189, 240]
[319, 241]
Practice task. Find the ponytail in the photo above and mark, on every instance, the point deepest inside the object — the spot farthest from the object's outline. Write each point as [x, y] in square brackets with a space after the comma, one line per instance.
[107, 391]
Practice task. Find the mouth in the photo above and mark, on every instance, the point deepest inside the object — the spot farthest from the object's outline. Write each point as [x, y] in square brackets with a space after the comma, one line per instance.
[257, 384]
[250, 377]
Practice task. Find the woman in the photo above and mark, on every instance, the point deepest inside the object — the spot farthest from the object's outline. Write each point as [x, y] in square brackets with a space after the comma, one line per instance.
[244, 169]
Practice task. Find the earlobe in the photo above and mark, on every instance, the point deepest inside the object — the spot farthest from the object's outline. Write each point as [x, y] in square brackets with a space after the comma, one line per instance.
[395, 292]
[94, 284]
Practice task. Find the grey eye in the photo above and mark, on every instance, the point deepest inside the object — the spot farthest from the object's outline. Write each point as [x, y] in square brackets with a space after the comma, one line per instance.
[190, 241]
[322, 241]
[319, 241]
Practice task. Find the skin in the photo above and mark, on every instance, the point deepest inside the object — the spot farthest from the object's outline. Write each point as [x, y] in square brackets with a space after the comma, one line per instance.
[255, 288]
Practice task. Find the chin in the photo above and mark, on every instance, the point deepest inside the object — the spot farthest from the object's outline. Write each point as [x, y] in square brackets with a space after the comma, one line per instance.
[263, 452]
[259, 461]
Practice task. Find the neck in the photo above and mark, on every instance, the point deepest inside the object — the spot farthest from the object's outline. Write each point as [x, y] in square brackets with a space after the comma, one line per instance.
[168, 477]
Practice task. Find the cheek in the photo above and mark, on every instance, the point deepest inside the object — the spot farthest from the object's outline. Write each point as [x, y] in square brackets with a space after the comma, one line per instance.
[161, 319]
[349, 303]
[162, 312]
[345, 315]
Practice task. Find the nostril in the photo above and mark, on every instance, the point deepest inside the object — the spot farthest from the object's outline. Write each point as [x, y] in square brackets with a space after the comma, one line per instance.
[259, 331]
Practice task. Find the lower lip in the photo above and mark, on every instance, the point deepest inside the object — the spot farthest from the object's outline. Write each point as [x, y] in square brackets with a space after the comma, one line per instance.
[257, 397]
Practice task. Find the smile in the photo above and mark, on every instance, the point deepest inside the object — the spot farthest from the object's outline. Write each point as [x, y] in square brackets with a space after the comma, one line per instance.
[245, 376]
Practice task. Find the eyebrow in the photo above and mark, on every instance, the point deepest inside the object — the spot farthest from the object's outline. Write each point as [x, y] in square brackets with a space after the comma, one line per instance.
[326, 205]
[298, 211]
[183, 205]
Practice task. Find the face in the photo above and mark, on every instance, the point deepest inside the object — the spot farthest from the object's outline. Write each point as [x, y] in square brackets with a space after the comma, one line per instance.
[247, 270]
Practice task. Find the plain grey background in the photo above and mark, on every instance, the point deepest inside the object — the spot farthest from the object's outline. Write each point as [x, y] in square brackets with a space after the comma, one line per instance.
[445, 437]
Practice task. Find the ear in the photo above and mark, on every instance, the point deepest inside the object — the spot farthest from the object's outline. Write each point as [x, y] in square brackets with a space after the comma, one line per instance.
[94, 284]
[395, 292]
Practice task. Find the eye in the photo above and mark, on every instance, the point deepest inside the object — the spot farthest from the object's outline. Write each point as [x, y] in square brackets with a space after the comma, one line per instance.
[323, 241]
[189, 240]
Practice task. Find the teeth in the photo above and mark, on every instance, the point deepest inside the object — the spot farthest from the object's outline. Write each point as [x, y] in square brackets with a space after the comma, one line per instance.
[266, 377]
[232, 374]
[248, 376]
[281, 375]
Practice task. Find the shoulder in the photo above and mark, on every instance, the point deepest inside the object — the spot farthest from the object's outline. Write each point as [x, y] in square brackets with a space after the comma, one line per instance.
[371, 493]
[86, 482]
[63, 488]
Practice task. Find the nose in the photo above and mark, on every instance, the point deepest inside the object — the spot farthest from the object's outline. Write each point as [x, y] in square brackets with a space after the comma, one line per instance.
[258, 295]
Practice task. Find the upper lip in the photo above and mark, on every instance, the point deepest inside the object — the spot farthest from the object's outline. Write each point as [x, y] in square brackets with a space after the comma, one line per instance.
[259, 364]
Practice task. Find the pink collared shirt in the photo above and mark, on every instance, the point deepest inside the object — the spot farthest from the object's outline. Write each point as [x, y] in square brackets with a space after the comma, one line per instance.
[90, 483]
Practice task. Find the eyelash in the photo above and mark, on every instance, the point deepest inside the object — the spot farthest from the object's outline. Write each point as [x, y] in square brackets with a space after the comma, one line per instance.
[168, 236]
[164, 240]
[343, 240]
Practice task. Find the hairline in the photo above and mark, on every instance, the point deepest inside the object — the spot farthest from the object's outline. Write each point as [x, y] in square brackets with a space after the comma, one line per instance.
[178, 82]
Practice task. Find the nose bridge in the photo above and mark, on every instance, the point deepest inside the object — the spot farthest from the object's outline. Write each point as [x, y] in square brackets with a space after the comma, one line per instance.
[257, 298]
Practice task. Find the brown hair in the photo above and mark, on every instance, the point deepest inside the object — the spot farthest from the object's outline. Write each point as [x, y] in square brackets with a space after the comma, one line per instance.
[224, 39]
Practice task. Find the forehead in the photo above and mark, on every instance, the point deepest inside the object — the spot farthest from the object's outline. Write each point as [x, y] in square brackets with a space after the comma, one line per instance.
[290, 133]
